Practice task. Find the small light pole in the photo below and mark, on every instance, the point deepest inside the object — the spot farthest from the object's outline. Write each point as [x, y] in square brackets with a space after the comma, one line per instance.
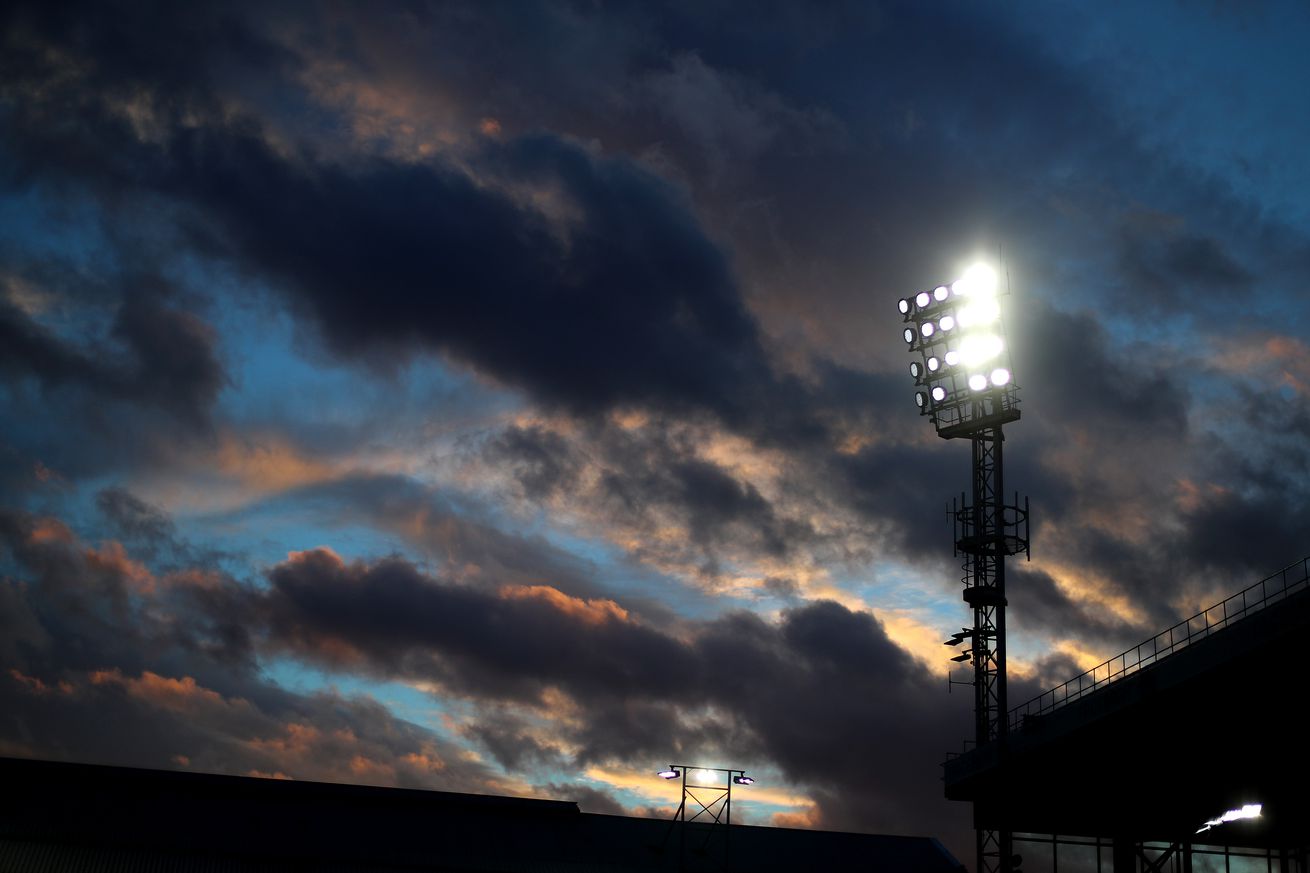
[710, 788]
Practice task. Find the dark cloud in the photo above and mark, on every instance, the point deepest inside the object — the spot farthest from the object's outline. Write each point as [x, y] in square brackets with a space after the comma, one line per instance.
[1162, 269]
[391, 618]
[543, 462]
[1043, 607]
[167, 358]
[625, 299]
[1077, 374]
[132, 518]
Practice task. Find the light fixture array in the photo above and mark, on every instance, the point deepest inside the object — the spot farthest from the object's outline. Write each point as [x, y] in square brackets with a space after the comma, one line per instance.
[961, 370]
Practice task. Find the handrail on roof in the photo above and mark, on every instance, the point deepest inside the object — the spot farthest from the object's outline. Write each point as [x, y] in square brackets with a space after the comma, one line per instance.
[1274, 587]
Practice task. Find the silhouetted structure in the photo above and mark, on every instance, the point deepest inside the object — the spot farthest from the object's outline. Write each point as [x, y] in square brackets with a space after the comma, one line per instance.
[1138, 754]
[75, 817]
[967, 391]
[710, 791]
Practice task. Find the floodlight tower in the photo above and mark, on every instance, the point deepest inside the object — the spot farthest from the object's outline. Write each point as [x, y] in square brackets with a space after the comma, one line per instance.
[965, 387]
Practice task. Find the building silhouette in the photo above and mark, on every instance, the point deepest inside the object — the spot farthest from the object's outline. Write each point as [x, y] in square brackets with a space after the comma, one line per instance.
[84, 817]
[1120, 768]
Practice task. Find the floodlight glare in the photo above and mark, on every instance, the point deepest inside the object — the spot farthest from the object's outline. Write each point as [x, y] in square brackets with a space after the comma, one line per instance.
[916, 369]
[947, 322]
[979, 348]
[921, 398]
[922, 299]
[909, 334]
[938, 393]
[980, 311]
[1000, 376]
[669, 774]
[904, 305]
[978, 382]
[743, 779]
[704, 777]
[926, 328]
[1250, 810]
[981, 280]
[933, 364]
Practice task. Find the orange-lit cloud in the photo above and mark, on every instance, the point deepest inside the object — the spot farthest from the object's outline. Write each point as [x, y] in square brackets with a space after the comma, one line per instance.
[593, 612]
[49, 530]
[34, 685]
[1082, 584]
[1280, 360]
[183, 695]
[111, 557]
[269, 463]
[922, 640]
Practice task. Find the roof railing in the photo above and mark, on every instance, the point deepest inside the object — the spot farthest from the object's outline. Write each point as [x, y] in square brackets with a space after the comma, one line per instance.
[1271, 589]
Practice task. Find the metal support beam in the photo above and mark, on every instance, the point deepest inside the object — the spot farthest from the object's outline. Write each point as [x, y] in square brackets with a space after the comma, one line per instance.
[987, 531]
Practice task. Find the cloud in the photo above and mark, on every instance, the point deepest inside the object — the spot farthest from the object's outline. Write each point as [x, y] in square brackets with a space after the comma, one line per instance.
[100, 668]
[641, 691]
[634, 690]
[169, 361]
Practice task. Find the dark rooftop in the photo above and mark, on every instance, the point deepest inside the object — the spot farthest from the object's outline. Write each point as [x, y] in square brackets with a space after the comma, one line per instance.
[61, 816]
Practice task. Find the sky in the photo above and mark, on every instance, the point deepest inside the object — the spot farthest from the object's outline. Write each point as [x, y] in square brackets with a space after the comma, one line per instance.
[510, 398]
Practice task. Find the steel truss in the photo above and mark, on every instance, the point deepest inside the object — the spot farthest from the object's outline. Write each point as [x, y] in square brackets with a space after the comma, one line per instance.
[987, 530]
[714, 804]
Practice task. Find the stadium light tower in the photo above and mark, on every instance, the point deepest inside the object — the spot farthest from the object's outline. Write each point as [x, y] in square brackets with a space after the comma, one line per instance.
[961, 371]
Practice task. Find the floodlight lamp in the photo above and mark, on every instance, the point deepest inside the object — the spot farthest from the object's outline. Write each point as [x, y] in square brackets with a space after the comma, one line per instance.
[922, 299]
[669, 774]
[1000, 376]
[904, 305]
[934, 364]
[938, 393]
[978, 382]
[916, 369]
[952, 358]
[947, 322]
[921, 399]
[963, 656]
[940, 293]
[926, 328]
[908, 334]
[743, 779]
[1250, 810]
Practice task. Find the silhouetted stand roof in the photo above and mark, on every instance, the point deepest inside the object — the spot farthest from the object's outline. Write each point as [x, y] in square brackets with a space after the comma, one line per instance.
[58, 816]
[1155, 754]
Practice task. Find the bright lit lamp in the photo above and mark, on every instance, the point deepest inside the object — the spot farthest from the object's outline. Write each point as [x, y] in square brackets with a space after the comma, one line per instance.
[960, 367]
